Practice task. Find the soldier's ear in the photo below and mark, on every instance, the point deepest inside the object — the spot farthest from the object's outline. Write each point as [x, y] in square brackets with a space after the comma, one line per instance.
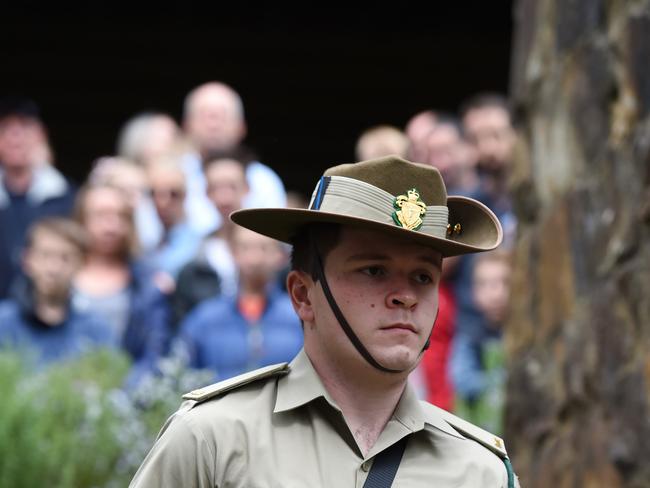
[299, 285]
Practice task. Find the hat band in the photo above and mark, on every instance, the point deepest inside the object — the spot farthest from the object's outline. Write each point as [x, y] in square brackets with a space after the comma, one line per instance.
[355, 198]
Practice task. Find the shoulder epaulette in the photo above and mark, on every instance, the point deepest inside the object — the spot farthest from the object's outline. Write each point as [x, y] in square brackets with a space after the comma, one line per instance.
[492, 442]
[486, 439]
[211, 391]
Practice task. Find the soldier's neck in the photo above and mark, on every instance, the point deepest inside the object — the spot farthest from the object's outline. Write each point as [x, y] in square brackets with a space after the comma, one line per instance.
[366, 401]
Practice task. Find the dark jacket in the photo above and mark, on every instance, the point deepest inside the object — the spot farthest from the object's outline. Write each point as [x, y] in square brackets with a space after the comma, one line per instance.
[147, 333]
[197, 281]
[21, 329]
[216, 335]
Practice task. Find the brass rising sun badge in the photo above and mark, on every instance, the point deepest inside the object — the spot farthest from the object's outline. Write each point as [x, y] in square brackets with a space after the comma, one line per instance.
[409, 210]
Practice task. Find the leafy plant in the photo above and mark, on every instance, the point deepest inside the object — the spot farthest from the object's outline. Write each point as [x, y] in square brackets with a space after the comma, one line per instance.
[72, 424]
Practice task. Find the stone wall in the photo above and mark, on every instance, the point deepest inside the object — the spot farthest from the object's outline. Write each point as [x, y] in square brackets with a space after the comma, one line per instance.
[578, 407]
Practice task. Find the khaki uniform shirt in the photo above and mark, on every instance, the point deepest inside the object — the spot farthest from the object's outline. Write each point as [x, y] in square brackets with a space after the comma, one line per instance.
[286, 431]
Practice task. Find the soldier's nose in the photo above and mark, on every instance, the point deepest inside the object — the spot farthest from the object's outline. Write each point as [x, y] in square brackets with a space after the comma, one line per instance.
[404, 299]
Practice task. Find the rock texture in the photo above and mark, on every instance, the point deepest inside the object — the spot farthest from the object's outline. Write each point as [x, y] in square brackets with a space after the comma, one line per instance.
[578, 407]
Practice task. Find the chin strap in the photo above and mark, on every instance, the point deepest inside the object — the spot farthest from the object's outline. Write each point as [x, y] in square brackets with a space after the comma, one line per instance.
[356, 342]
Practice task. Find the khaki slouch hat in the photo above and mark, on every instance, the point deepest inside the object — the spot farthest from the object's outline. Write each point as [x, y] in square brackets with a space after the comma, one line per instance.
[387, 194]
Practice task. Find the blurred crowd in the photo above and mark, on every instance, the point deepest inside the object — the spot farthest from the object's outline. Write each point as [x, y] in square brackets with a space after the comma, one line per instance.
[143, 257]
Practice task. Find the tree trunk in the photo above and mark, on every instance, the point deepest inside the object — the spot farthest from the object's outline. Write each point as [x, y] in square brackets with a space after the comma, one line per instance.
[578, 399]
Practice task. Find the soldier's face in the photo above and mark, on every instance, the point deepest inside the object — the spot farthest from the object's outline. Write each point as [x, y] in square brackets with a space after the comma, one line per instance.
[387, 288]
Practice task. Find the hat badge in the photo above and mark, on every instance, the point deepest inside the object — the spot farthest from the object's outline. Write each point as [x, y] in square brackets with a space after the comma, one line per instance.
[409, 210]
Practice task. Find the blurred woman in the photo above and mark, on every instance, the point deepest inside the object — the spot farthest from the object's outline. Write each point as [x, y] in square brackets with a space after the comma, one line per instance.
[115, 284]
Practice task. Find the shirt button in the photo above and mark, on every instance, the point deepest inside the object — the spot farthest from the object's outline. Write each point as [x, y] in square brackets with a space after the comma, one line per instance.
[366, 466]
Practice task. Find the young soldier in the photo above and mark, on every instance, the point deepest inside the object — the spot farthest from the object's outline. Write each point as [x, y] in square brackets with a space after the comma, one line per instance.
[366, 267]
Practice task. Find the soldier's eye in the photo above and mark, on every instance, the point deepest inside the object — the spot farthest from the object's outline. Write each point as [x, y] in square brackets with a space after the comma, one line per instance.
[423, 278]
[373, 271]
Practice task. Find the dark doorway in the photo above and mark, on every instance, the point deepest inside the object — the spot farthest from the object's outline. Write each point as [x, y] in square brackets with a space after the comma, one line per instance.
[311, 82]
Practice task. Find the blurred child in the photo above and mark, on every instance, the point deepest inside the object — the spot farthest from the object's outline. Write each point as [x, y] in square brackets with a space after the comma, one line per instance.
[257, 327]
[39, 317]
[477, 360]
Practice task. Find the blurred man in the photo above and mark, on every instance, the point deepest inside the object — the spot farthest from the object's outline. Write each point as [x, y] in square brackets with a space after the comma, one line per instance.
[40, 319]
[213, 269]
[447, 150]
[144, 139]
[213, 119]
[179, 241]
[257, 327]
[28, 190]
[487, 124]
[381, 140]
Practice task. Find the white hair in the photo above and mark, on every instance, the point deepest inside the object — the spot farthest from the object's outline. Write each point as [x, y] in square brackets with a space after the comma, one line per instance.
[133, 133]
[190, 99]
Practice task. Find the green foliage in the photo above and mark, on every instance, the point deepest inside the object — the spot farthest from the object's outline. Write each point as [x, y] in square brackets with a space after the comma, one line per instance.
[55, 425]
[71, 425]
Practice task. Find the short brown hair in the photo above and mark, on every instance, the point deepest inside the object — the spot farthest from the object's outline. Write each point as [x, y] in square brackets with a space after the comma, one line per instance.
[485, 100]
[62, 227]
[309, 239]
[217, 158]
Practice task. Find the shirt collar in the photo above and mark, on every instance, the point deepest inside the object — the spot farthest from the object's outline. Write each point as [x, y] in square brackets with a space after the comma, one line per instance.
[302, 385]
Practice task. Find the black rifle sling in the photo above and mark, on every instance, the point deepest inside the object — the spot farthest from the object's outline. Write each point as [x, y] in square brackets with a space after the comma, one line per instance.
[384, 467]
